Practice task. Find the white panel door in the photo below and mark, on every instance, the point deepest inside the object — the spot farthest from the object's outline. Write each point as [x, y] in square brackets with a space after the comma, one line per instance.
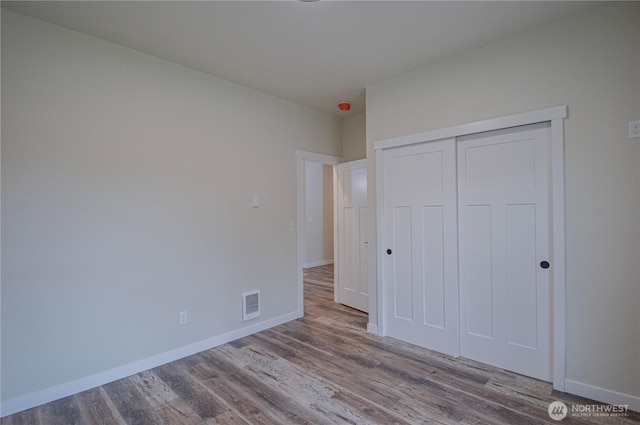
[503, 204]
[419, 244]
[352, 287]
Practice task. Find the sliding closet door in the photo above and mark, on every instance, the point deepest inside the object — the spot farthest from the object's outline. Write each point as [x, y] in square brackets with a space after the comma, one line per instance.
[504, 212]
[419, 245]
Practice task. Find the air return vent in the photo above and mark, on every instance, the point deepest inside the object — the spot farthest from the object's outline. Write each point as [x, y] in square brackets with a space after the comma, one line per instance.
[250, 305]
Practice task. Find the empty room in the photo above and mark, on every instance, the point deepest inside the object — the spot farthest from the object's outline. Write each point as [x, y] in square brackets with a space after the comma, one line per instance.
[363, 212]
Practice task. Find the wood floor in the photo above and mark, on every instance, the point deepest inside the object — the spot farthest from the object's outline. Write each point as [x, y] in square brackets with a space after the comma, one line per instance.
[323, 369]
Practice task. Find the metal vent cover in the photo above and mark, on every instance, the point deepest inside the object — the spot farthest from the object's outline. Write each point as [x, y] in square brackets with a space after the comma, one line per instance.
[250, 305]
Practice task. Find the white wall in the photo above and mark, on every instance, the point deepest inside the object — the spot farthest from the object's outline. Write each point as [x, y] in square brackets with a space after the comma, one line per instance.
[354, 139]
[592, 64]
[318, 214]
[126, 198]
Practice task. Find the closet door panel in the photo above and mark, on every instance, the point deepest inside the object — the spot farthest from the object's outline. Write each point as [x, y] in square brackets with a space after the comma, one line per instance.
[504, 209]
[420, 289]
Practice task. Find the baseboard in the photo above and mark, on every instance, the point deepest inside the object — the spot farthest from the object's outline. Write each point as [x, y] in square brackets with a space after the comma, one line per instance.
[69, 388]
[372, 328]
[317, 263]
[602, 394]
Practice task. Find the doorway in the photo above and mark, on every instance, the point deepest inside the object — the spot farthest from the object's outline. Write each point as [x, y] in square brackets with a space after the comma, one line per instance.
[315, 183]
[318, 217]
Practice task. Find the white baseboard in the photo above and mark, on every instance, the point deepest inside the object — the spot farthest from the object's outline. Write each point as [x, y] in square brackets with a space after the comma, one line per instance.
[69, 388]
[317, 263]
[372, 328]
[602, 394]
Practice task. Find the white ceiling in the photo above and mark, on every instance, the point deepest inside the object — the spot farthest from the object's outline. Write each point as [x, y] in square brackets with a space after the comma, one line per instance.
[312, 53]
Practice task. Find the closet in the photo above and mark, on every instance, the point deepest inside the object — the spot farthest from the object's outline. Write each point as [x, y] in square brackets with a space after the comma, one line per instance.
[465, 245]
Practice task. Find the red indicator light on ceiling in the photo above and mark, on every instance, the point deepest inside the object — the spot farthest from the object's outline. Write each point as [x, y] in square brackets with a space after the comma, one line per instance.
[344, 106]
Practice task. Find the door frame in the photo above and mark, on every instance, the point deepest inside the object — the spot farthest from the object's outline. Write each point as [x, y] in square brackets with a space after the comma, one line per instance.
[301, 159]
[555, 115]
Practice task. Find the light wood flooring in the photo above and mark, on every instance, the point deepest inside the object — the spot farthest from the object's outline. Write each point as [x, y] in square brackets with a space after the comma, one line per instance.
[322, 369]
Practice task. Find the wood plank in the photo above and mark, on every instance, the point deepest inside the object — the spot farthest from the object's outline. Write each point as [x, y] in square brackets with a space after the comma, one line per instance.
[385, 391]
[26, 417]
[61, 412]
[97, 408]
[228, 418]
[153, 389]
[177, 412]
[278, 404]
[240, 400]
[321, 395]
[191, 390]
[131, 405]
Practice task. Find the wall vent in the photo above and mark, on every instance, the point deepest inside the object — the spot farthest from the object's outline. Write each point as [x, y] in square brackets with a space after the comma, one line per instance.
[250, 305]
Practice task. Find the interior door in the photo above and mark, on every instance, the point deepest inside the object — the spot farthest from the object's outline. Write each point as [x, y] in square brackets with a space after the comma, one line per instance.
[419, 244]
[352, 287]
[503, 203]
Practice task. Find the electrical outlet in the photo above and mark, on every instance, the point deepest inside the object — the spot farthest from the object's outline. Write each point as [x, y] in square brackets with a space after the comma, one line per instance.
[634, 129]
[183, 318]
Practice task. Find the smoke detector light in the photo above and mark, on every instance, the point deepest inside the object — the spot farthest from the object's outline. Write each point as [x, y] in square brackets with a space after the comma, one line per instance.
[344, 106]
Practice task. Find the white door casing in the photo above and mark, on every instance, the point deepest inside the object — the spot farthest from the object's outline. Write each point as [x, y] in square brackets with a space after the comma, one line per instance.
[503, 205]
[419, 243]
[351, 287]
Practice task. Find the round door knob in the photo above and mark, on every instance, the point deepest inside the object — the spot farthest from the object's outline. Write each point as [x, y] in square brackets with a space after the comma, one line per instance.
[544, 264]
[389, 251]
